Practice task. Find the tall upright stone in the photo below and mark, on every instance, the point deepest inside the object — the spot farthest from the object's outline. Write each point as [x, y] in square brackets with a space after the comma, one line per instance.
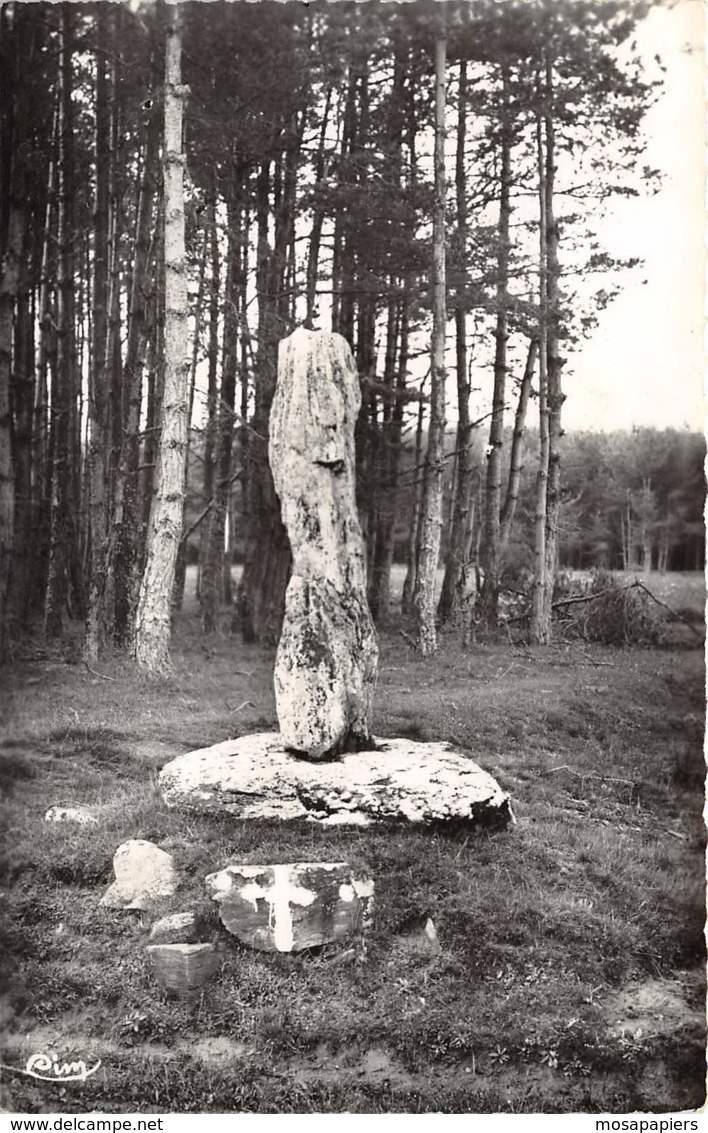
[327, 659]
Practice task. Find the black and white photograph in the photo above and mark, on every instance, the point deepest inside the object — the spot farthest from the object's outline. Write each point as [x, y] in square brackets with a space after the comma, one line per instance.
[352, 561]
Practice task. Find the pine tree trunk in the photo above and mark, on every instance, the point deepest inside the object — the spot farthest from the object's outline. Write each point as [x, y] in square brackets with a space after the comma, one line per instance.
[212, 384]
[125, 551]
[9, 282]
[155, 366]
[152, 621]
[61, 523]
[41, 485]
[317, 221]
[181, 567]
[99, 435]
[380, 583]
[539, 631]
[22, 387]
[515, 465]
[491, 561]
[431, 518]
[212, 577]
[455, 562]
[409, 582]
[555, 362]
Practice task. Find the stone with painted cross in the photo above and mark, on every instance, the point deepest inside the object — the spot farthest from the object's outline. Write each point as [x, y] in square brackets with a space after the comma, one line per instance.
[286, 908]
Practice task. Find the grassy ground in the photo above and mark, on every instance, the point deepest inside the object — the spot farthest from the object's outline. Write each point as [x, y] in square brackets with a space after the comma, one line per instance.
[570, 976]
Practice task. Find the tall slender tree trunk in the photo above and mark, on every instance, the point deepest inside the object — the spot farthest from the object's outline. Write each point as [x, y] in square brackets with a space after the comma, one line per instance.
[152, 621]
[126, 550]
[99, 434]
[418, 485]
[212, 399]
[23, 402]
[181, 567]
[46, 327]
[491, 562]
[317, 221]
[448, 606]
[431, 519]
[515, 466]
[539, 632]
[555, 362]
[155, 367]
[9, 284]
[211, 590]
[60, 549]
[20, 44]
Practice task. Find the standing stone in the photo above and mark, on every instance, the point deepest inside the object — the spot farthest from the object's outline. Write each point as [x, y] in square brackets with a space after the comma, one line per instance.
[327, 659]
[285, 908]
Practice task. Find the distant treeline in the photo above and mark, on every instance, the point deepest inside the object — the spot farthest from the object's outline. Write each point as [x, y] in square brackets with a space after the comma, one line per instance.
[632, 500]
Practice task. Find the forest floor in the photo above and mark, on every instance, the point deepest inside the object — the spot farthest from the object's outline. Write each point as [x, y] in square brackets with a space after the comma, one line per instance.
[570, 974]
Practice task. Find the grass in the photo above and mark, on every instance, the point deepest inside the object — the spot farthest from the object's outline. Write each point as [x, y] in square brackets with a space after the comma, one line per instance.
[570, 976]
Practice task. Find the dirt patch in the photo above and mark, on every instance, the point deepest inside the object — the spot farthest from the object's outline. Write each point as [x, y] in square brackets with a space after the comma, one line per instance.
[655, 1007]
[216, 1052]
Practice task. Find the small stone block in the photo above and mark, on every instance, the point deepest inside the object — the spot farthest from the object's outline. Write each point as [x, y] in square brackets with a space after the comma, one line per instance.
[177, 928]
[183, 967]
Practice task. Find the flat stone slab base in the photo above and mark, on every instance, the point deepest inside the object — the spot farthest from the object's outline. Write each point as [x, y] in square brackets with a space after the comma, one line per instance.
[402, 780]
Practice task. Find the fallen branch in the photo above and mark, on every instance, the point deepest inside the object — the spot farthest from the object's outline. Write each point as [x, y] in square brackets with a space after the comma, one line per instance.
[101, 675]
[673, 613]
[590, 775]
[586, 597]
[244, 704]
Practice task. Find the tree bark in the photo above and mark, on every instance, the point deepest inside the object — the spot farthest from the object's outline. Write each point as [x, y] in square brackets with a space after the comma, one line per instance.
[555, 362]
[539, 630]
[418, 484]
[431, 519]
[125, 551]
[491, 561]
[152, 621]
[9, 285]
[99, 434]
[212, 399]
[515, 465]
[61, 521]
[211, 589]
[380, 580]
[317, 221]
[455, 563]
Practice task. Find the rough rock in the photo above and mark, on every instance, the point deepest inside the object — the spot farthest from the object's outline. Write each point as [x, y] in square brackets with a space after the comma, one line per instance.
[419, 939]
[143, 872]
[256, 777]
[327, 660]
[177, 928]
[81, 815]
[285, 908]
[183, 967]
